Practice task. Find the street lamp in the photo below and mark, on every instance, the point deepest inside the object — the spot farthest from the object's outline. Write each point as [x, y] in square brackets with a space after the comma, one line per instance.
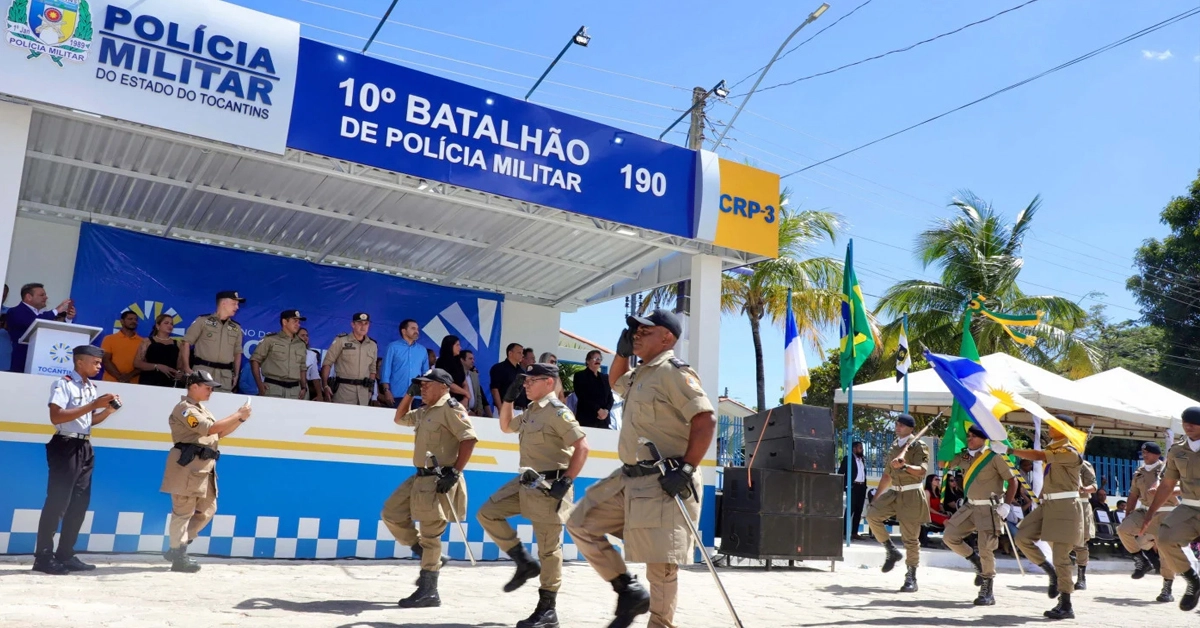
[580, 38]
[811, 18]
[719, 89]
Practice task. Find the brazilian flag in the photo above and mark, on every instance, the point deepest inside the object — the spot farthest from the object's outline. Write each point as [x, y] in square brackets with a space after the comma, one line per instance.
[858, 343]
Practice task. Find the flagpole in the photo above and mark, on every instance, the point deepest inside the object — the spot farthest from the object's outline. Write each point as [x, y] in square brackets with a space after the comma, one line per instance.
[849, 410]
[906, 370]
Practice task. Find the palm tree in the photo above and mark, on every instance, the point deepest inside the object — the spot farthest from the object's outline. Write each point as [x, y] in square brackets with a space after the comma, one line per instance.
[760, 290]
[979, 253]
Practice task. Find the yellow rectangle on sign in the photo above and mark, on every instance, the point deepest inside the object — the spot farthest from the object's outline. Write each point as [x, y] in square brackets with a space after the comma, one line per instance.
[750, 213]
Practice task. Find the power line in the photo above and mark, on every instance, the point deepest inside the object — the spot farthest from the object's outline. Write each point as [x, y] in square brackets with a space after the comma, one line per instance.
[897, 50]
[1124, 40]
[793, 48]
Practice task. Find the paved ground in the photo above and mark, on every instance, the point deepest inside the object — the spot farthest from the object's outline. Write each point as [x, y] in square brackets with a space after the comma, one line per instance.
[138, 591]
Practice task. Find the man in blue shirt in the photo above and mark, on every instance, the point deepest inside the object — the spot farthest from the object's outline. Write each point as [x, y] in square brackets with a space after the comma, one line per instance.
[404, 360]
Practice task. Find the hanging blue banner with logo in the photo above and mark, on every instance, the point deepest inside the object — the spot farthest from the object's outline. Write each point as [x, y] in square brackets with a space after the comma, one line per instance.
[354, 107]
[116, 270]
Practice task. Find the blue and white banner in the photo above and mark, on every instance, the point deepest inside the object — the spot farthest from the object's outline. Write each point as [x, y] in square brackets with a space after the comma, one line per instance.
[354, 107]
[117, 270]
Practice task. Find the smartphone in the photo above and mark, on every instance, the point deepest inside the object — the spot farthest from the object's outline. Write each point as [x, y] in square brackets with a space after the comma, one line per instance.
[248, 400]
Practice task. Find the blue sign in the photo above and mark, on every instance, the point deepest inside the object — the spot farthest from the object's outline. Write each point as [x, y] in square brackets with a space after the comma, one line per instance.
[117, 270]
[354, 107]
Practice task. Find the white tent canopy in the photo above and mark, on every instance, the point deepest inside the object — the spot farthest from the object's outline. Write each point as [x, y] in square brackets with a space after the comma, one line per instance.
[1094, 408]
[1137, 391]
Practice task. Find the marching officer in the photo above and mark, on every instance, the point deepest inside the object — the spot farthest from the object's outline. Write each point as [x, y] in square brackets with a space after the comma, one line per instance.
[906, 500]
[984, 474]
[1058, 520]
[75, 407]
[213, 342]
[443, 430]
[1087, 486]
[1141, 494]
[665, 404]
[553, 445]
[1182, 525]
[191, 473]
[279, 360]
[353, 355]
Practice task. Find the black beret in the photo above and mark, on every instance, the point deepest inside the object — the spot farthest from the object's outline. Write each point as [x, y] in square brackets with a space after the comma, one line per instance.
[1191, 415]
[975, 429]
[88, 350]
[906, 419]
[1152, 448]
[542, 370]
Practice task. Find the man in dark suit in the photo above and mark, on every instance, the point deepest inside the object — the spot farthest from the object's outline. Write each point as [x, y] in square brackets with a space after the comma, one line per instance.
[858, 488]
[22, 315]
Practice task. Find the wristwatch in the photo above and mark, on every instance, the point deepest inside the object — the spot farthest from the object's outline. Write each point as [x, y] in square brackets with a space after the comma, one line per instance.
[687, 468]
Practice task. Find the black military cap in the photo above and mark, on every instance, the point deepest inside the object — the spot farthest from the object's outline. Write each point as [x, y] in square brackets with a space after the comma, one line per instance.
[1152, 448]
[1065, 419]
[542, 370]
[286, 314]
[360, 317]
[1191, 415]
[230, 294]
[88, 350]
[435, 375]
[906, 419]
[976, 430]
[659, 318]
[202, 377]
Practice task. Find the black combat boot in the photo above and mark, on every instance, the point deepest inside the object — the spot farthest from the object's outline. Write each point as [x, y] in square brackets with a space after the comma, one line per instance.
[978, 565]
[1052, 590]
[418, 552]
[527, 567]
[1165, 595]
[181, 562]
[1081, 580]
[910, 581]
[1192, 595]
[426, 594]
[893, 556]
[1141, 565]
[985, 597]
[632, 600]
[544, 616]
[1063, 610]
[46, 563]
[1155, 561]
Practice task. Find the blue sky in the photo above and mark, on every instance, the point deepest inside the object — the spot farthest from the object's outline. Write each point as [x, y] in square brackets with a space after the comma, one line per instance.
[1106, 142]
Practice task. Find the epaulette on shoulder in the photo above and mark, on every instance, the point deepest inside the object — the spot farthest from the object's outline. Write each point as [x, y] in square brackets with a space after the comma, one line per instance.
[274, 333]
[679, 364]
[341, 335]
[556, 403]
[453, 403]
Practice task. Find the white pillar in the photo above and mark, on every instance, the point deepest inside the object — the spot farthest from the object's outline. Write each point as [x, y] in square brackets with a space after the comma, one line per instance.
[14, 136]
[704, 324]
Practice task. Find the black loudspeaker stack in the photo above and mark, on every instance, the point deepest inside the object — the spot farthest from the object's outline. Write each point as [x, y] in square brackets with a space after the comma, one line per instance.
[790, 503]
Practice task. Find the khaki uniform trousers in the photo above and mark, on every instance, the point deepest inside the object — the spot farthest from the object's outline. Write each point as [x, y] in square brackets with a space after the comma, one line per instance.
[909, 517]
[972, 518]
[397, 516]
[274, 390]
[352, 394]
[223, 376]
[190, 514]
[608, 517]
[1082, 552]
[493, 517]
[1130, 529]
[1036, 526]
[1178, 529]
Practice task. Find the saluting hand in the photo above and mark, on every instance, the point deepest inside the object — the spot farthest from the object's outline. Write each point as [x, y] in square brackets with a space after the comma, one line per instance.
[515, 388]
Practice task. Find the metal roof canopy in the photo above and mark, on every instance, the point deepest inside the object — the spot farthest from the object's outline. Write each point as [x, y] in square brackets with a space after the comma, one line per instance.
[81, 167]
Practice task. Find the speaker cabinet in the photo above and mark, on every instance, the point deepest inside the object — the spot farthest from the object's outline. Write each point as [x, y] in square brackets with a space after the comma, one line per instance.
[772, 491]
[789, 421]
[757, 535]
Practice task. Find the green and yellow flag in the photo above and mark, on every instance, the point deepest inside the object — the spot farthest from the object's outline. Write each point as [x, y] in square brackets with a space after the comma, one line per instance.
[955, 438]
[858, 342]
[1008, 321]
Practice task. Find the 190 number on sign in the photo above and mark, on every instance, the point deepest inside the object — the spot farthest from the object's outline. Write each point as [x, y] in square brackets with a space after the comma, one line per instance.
[644, 181]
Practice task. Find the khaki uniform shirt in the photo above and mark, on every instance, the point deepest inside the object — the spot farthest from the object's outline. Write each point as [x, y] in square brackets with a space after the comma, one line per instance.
[1087, 475]
[189, 423]
[1145, 478]
[989, 479]
[215, 340]
[439, 429]
[661, 398]
[352, 359]
[1065, 468]
[917, 455]
[548, 432]
[1183, 466]
[281, 357]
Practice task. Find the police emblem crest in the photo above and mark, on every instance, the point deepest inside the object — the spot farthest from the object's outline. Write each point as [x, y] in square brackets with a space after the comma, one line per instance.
[59, 28]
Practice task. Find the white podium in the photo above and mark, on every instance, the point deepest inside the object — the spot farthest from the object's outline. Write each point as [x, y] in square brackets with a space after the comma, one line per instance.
[51, 346]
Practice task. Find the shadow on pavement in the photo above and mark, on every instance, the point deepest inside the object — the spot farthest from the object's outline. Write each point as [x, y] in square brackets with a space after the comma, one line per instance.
[384, 624]
[985, 620]
[838, 589]
[347, 608]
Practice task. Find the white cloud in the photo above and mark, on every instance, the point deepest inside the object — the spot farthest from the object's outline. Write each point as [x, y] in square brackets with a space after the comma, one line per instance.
[1154, 55]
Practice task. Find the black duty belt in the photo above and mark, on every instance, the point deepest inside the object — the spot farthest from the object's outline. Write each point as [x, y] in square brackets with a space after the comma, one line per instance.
[553, 475]
[424, 472]
[281, 383]
[227, 366]
[191, 451]
[639, 470]
[73, 436]
[365, 382]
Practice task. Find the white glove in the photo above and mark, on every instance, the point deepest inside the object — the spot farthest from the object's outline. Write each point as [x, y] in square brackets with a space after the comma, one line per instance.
[999, 447]
[1003, 510]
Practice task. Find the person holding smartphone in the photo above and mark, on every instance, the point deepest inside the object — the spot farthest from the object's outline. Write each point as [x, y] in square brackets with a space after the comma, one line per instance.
[75, 406]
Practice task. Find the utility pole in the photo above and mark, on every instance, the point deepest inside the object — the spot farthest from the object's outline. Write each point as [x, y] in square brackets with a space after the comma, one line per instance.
[683, 289]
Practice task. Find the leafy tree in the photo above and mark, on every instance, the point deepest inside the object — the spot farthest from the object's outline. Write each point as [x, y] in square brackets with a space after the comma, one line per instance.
[1167, 287]
[1134, 347]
